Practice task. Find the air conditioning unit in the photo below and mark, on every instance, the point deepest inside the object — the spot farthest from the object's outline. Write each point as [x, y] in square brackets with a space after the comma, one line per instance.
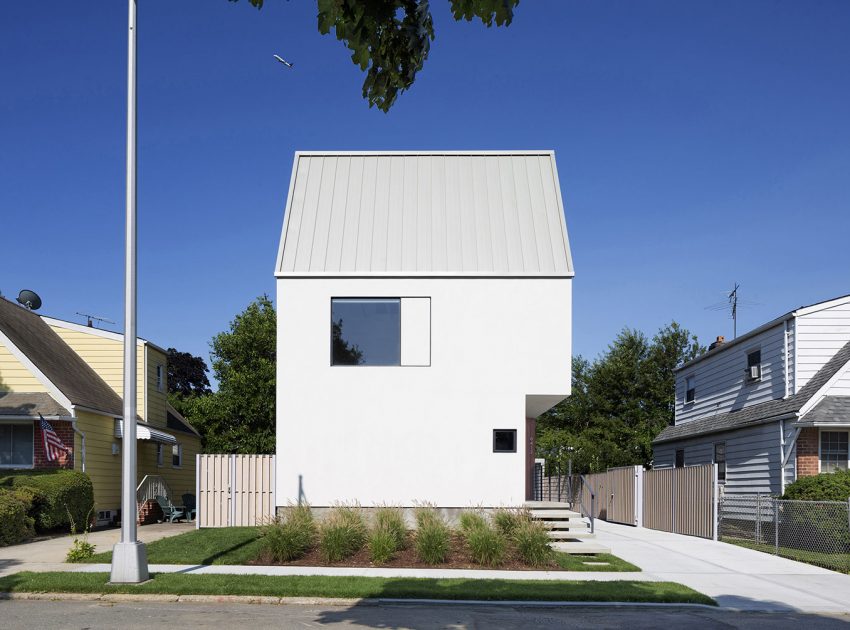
[754, 372]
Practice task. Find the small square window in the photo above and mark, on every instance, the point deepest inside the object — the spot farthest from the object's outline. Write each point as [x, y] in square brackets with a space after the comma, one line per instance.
[753, 366]
[690, 389]
[504, 440]
[680, 458]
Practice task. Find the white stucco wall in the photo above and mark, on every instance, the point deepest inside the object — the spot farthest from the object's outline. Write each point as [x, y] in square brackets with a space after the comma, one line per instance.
[409, 434]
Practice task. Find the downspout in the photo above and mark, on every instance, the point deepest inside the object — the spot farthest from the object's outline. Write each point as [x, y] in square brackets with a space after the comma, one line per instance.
[782, 459]
[82, 444]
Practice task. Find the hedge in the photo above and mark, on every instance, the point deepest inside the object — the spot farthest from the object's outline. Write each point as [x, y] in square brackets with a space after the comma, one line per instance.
[55, 493]
[15, 523]
[833, 486]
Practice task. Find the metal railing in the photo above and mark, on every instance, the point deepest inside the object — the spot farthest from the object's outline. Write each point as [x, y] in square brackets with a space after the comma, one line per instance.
[816, 532]
[150, 487]
[583, 508]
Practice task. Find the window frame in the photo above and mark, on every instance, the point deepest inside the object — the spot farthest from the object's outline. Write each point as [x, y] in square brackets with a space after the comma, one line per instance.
[747, 378]
[820, 447]
[692, 390]
[513, 431]
[384, 298]
[32, 452]
[721, 465]
[676, 458]
[160, 377]
[159, 455]
[179, 455]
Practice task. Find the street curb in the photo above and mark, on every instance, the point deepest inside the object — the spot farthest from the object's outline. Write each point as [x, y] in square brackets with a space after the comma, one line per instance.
[325, 601]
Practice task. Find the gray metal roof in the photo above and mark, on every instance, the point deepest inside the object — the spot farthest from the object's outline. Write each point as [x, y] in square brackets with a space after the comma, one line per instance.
[432, 213]
[57, 361]
[30, 404]
[763, 412]
[832, 409]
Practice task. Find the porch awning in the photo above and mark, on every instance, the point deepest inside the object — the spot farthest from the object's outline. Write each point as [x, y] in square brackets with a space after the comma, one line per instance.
[145, 431]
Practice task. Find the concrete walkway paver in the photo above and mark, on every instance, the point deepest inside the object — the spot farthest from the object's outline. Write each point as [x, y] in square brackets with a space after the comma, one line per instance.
[33, 556]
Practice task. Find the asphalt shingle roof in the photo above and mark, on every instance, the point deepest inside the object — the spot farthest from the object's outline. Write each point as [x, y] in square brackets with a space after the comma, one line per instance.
[763, 412]
[30, 404]
[831, 409]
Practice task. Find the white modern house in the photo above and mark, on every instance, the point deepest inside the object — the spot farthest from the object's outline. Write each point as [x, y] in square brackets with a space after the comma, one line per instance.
[424, 322]
[768, 407]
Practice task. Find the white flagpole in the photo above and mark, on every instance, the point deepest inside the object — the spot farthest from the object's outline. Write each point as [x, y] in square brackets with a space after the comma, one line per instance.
[129, 559]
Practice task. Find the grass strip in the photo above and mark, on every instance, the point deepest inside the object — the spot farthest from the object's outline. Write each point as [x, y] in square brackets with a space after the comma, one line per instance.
[834, 561]
[359, 587]
[573, 562]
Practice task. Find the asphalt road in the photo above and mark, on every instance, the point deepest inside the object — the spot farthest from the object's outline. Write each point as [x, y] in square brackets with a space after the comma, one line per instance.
[71, 614]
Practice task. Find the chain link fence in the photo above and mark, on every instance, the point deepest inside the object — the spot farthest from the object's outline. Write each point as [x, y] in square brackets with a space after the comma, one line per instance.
[815, 532]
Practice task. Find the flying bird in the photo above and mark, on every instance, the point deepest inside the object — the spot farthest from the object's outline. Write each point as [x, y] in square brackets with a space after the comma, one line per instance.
[283, 61]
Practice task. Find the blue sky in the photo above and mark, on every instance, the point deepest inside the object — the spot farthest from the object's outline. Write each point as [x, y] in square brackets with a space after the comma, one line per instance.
[698, 144]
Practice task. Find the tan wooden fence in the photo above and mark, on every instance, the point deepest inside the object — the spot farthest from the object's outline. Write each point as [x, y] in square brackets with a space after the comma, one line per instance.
[235, 490]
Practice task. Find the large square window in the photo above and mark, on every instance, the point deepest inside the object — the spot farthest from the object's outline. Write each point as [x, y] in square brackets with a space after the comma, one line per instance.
[16, 445]
[833, 451]
[366, 331]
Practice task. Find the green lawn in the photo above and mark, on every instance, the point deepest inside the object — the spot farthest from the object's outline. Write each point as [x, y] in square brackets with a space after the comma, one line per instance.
[834, 561]
[358, 587]
[239, 545]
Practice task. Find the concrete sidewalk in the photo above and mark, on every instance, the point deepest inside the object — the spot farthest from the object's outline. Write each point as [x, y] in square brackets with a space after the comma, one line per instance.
[37, 556]
[736, 577]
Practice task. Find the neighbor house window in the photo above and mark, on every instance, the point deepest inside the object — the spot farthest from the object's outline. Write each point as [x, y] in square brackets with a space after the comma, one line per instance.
[366, 331]
[833, 451]
[504, 441]
[753, 366]
[16, 442]
[177, 455]
[160, 378]
[690, 389]
[720, 460]
[159, 458]
[680, 458]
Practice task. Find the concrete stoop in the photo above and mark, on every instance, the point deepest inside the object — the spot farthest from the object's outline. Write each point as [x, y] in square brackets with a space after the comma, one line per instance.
[569, 532]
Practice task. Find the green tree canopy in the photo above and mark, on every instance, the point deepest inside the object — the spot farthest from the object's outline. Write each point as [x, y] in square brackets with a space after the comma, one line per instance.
[390, 39]
[187, 374]
[620, 402]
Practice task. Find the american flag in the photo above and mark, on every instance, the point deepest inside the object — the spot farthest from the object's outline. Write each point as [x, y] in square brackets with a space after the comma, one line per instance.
[53, 446]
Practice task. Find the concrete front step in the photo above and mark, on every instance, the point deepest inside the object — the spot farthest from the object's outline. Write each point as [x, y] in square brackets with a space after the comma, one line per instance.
[571, 524]
[557, 505]
[561, 534]
[579, 547]
[552, 514]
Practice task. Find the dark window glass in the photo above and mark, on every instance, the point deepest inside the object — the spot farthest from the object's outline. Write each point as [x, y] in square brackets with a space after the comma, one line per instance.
[680, 458]
[720, 460]
[690, 389]
[754, 365]
[833, 451]
[16, 441]
[504, 441]
[366, 331]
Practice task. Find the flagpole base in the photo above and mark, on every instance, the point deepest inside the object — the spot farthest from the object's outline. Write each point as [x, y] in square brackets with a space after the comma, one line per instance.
[129, 563]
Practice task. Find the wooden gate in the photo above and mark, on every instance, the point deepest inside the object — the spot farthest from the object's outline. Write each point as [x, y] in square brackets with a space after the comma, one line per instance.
[681, 500]
[235, 490]
[624, 487]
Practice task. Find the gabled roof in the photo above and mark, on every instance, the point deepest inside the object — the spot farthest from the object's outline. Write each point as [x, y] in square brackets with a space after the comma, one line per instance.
[20, 404]
[803, 310]
[831, 410]
[433, 213]
[74, 379]
[177, 422]
[763, 412]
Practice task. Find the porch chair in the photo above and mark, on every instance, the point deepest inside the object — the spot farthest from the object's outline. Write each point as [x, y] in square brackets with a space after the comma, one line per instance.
[169, 510]
[189, 506]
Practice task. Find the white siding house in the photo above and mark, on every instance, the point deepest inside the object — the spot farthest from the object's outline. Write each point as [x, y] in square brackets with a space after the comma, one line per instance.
[771, 405]
[424, 309]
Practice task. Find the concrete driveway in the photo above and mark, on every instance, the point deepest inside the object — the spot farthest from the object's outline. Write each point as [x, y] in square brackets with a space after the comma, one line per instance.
[736, 577]
[42, 555]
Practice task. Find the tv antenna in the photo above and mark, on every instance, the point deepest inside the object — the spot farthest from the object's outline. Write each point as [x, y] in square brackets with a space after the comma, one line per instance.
[731, 304]
[90, 319]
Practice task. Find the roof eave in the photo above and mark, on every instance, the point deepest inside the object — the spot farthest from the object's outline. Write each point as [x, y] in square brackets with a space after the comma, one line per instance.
[776, 418]
[418, 274]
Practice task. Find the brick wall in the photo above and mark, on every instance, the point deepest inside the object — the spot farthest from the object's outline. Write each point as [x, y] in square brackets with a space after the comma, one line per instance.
[150, 512]
[65, 433]
[807, 453]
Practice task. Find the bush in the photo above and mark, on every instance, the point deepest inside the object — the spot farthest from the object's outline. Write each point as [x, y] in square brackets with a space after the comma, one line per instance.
[391, 520]
[471, 520]
[288, 537]
[507, 521]
[426, 514]
[342, 534]
[382, 546]
[56, 494]
[486, 545]
[532, 543]
[80, 551]
[824, 487]
[15, 523]
[433, 540]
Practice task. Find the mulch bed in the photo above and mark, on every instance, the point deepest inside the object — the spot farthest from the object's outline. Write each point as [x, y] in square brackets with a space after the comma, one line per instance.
[406, 559]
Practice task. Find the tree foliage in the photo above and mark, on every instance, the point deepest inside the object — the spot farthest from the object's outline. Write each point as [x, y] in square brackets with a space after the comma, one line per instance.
[619, 403]
[343, 352]
[187, 374]
[390, 39]
[240, 416]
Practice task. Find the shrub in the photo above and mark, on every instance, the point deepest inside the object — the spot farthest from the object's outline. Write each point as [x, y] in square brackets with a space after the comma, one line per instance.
[532, 543]
[824, 487]
[15, 523]
[56, 494]
[80, 551]
[471, 520]
[290, 536]
[426, 514]
[342, 533]
[508, 520]
[486, 545]
[382, 546]
[391, 520]
[433, 540]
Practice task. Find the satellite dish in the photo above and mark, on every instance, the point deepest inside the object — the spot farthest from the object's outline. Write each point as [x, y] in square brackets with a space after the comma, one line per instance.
[29, 299]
